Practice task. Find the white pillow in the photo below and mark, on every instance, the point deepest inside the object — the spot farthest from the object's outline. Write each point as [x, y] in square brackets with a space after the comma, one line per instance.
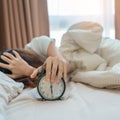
[2, 117]
[8, 90]
[10, 87]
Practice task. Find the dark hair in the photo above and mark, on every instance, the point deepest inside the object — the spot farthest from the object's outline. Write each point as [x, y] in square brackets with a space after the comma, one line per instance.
[31, 58]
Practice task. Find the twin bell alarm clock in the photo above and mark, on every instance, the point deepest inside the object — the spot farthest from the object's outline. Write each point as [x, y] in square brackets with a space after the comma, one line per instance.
[49, 90]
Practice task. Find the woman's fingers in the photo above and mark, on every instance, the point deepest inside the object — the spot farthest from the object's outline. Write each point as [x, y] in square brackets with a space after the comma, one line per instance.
[10, 56]
[2, 65]
[6, 59]
[35, 72]
[60, 72]
[48, 68]
[54, 70]
[65, 71]
[16, 54]
[11, 76]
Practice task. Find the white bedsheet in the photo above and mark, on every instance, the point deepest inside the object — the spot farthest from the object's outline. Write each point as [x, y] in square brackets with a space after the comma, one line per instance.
[81, 102]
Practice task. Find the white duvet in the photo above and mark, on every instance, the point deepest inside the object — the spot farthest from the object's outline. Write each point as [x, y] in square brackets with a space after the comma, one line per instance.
[93, 60]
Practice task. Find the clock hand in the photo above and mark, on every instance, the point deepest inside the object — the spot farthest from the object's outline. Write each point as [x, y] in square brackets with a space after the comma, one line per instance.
[51, 87]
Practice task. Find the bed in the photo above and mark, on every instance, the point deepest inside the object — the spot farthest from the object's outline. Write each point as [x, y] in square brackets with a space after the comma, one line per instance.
[81, 101]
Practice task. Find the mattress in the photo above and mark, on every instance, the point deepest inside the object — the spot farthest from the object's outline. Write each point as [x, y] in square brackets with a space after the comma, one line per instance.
[80, 102]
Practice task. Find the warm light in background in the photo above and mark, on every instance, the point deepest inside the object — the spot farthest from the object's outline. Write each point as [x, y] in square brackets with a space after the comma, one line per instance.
[64, 13]
[74, 7]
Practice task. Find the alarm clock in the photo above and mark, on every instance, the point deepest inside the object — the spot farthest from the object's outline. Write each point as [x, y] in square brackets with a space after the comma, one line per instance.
[49, 90]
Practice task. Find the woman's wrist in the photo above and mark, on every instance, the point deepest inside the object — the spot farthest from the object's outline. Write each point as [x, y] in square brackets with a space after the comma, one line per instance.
[29, 71]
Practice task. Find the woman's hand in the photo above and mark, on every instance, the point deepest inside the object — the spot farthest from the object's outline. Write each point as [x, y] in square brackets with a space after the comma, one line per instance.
[16, 65]
[54, 65]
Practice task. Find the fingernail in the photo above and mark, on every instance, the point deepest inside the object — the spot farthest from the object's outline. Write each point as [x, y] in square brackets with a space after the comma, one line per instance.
[4, 53]
[52, 80]
[32, 76]
[58, 81]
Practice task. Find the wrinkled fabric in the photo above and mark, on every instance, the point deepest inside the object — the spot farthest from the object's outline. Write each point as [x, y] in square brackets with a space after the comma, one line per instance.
[9, 89]
[93, 60]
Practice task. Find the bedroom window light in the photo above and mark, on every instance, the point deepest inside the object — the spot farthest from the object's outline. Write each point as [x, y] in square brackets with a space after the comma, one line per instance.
[64, 13]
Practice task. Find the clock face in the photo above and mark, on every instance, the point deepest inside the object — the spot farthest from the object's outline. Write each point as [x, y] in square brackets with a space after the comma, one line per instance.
[48, 90]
